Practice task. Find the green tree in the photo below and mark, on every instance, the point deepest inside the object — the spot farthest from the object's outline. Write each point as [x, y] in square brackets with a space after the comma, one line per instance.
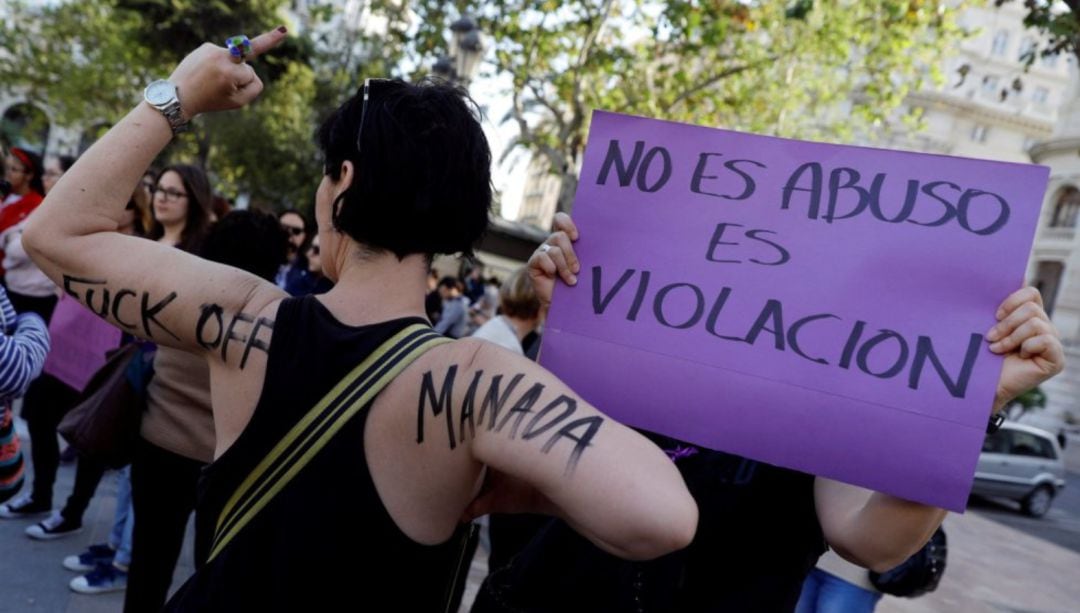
[1028, 401]
[1058, 21]
[824, 69]
[89, 60]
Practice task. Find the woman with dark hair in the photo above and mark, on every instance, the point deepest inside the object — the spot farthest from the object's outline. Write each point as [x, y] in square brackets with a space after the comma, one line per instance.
[55, 167]
[22, 171]
[28, 288]
[325, 485]
[177, 431]
[181, 207]
[317, 283]
[80, 342]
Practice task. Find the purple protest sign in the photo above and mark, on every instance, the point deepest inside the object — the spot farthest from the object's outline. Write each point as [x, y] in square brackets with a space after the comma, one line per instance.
[818, 307]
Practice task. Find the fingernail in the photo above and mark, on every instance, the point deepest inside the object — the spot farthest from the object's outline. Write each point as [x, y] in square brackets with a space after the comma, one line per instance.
[995, 347]
[573, 279]
[577, 268]
[992, 335]
[282, 29]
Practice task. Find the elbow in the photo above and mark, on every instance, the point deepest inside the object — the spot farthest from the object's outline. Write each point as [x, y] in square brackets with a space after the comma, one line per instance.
[885, 562]
[668, 532]
[33, 239]
[878, 559]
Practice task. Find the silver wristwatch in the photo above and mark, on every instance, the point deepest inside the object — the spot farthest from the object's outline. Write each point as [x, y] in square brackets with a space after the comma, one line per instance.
[162, 95]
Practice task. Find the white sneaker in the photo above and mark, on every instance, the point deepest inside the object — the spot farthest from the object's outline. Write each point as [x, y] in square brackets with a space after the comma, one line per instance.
[104, 578]
[52, 527]
[22, 507]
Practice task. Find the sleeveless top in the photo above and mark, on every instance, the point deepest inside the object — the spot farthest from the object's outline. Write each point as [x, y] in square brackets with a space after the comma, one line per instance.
[758, 536]
[325, 542]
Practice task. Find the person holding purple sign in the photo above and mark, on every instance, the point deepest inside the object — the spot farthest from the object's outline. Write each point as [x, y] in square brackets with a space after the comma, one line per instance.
[762, 527]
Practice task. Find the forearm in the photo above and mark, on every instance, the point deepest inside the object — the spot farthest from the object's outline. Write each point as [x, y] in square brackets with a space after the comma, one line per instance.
[92, 195]
[873, 529]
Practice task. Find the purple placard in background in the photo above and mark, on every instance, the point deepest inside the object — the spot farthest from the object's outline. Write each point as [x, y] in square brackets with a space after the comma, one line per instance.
[814, 306]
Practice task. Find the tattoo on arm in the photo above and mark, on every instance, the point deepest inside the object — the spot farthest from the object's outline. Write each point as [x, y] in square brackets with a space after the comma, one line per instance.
[211, 332]
[110, 305]
[553, 418]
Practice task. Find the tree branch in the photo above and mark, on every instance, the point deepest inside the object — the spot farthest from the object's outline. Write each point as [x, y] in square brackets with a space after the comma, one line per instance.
[547, 105]
[708, 82]
[577, 117]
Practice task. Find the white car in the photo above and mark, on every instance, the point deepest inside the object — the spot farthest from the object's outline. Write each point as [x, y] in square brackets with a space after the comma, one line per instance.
[1022, 463]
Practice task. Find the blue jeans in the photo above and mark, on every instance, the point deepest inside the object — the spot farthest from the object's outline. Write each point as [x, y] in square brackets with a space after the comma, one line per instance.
[825, 593]
[124, 520]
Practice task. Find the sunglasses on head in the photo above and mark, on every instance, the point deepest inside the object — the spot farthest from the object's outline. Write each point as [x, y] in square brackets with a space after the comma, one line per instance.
[373, 88]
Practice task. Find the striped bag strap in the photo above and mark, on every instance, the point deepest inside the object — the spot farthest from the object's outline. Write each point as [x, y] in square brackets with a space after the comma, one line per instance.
[318, 427]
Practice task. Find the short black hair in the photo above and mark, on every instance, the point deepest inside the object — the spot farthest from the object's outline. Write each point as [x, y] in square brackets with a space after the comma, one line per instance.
[423, 180]
[249, 240]
[66, 162]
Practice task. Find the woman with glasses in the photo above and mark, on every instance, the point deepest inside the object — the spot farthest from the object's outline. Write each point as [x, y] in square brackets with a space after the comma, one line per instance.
[319, 494]
[293, 276]
[316, 281]
[55, 167]
[181, 206]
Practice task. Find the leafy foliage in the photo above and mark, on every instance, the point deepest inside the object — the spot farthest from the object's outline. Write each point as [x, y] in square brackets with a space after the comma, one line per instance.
[822, 69]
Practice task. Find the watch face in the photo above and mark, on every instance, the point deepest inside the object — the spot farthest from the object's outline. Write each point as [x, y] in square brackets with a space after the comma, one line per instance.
[160, 92]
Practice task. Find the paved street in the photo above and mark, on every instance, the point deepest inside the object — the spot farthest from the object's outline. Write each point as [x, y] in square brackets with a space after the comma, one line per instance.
[32, 578]
[999, 561]
[1061, 525]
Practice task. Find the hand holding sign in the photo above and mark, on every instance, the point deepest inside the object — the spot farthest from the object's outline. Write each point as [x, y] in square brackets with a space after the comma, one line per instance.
[818, 307]
[555, 258]
[1030, 343]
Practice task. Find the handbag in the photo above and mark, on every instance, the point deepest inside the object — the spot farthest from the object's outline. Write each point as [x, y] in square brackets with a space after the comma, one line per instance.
[919, 574]
[104, 425]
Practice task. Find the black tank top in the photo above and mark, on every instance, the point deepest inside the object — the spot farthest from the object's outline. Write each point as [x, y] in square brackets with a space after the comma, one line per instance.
[758, 536]
[325, 542]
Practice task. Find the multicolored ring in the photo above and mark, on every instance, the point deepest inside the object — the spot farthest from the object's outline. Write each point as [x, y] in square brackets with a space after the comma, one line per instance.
[239, 47]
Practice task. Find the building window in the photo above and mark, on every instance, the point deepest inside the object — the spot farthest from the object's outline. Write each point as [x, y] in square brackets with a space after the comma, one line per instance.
[1047, 280]
[1066, 209]
[990, 85]
[1040, 95]
[1027, 49]
[1001, 43]
[1049, 61]
[978, 133]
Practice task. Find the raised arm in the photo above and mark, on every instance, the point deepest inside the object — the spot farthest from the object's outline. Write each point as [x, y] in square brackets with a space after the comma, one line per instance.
[145, 288]
[873, 529]
[879, 531]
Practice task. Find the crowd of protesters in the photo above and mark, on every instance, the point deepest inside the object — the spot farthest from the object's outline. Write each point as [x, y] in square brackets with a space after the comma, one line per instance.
[356, 321]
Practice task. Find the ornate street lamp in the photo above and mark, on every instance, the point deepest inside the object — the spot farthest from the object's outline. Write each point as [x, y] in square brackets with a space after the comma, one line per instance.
[466, 53]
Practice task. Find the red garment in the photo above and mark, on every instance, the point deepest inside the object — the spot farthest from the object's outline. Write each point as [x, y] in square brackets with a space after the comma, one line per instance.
[16, 212]
[19, 210]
